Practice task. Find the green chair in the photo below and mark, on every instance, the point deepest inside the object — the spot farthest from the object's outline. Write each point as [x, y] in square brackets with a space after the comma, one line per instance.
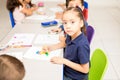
[98, 65]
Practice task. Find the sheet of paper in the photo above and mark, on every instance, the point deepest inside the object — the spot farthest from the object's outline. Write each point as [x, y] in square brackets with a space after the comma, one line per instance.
[56, 9]
[47, 39]
[21, 39]
[37, 17]
[32, 54]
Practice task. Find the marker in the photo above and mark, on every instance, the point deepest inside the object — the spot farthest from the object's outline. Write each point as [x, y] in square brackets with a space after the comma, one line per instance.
[20, 46]
[26, 45]
[2, 48]
[37, 52]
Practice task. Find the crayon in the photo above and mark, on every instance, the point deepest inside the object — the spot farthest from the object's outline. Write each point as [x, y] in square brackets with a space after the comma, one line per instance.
[20, 46]
[46, 53]
[41, 52]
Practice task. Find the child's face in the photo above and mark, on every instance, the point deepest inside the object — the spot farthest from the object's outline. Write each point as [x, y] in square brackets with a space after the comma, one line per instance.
[27, 1]
[72, 23]
[74, 3]
[21, 1]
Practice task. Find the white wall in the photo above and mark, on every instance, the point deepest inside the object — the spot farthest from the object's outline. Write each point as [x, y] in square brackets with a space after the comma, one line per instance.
[104, 2]
[5, 25]
[34, 1]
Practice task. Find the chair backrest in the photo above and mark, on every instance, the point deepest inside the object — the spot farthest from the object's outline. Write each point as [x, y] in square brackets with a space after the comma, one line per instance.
[86, 4]
[12, 19]
[85, 11]
[98, 65]
[90, 32]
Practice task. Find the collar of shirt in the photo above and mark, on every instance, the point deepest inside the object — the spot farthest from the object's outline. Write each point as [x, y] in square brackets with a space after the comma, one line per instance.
[75, 41]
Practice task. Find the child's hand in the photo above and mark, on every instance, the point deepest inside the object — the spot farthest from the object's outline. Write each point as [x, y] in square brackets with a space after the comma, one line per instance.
[58, 15]
[62, 38]
[45, 49]
[57, 30]
[34, 8]
[61, 5]
[57, 60]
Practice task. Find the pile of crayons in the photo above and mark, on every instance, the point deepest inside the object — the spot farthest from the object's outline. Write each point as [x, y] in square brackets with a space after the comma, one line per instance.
[42, 52]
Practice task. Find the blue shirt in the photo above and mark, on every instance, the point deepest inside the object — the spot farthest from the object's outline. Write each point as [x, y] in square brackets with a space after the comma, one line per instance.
[77, 51]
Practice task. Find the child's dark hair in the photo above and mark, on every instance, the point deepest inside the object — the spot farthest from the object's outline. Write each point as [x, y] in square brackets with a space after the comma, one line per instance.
[31, 5]
[82, 2]
[11, 68]
[80, 14]
[67, 2]
[12, 4]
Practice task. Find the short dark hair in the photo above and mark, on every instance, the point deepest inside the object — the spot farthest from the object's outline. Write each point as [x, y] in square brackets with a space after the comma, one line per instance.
[11, 68]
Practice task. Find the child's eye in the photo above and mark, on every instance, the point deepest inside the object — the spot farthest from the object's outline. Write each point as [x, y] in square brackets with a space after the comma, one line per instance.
[72, 22]
[64, 23]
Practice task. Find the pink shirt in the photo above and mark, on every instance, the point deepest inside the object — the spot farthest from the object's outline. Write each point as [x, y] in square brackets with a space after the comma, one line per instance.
[18, 15]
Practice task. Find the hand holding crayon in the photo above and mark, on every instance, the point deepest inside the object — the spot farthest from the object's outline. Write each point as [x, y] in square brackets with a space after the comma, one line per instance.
[44, 50]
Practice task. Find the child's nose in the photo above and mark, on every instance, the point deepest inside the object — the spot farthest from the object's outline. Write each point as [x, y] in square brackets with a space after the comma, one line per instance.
[68, 25]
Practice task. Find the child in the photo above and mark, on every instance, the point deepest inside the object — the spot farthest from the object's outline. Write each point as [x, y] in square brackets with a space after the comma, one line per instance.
[80, 4]
[19, 10]
[72, 3]
[11, 68]
[29, 5]
[64, 5]
[77, 50]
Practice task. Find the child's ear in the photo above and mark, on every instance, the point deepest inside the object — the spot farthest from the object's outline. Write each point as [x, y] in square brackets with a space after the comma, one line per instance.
[82, 23]
[21, 0]
[82, 8]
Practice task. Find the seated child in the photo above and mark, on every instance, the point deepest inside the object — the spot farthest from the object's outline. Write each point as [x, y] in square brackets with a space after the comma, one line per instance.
[77, 50]
[30, 5]
[11, 68]
[63, 6]
[72, 3]
[19, 10]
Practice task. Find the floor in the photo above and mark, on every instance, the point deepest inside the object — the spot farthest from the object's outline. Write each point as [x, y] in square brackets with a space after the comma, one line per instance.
[104, 16]
[5, 25]
[105, 19]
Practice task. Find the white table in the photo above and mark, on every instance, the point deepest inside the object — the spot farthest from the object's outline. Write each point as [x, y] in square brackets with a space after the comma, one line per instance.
[50, 8]
[35, 69]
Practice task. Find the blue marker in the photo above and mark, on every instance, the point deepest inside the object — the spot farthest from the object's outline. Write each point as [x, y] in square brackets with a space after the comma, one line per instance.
[37, 52]
[49, 23]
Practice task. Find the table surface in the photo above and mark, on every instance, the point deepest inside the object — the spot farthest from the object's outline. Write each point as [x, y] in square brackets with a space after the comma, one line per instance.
[49, 9]
[35, 69]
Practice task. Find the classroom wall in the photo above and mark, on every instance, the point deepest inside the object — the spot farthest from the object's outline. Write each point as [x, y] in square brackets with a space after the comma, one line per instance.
[104, 2]
[34, 1]
[5, 25]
